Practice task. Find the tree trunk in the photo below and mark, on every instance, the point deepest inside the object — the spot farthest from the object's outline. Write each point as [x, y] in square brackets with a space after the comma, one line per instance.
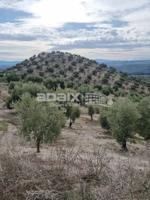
[124, 145]
[70, 123]
[91, 117]
[38, 145]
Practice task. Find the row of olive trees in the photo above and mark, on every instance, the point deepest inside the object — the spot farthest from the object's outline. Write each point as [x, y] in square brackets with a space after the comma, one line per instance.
[126, 118]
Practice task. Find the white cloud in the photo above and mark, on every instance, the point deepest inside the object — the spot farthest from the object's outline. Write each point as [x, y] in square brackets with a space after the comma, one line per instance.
[15, 50]
[49, 15]
[114, 54]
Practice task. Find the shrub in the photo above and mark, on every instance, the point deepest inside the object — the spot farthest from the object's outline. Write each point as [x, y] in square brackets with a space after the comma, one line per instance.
[34, 78]
[30, 71]
[12, 76]
[41, 74]
[70, 84]
[99, 87]
[70, 68]
[106, 90]
[104, 120]
[103, 66]
[50, 69]
[105, 80]
[118, 83]
[11, 86]
[23, 76]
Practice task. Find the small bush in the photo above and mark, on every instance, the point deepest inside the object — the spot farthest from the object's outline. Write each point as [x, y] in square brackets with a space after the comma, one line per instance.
[104, 120]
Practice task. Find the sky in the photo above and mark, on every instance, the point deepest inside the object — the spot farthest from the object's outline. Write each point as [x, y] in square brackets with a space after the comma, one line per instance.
[97, 29]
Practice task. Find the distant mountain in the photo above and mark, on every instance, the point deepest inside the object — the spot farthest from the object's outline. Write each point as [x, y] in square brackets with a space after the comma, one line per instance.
[77, 71]
[133, 67]
[7, 64]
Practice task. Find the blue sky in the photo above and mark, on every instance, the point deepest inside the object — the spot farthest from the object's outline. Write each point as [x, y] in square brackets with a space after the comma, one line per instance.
[104, 29]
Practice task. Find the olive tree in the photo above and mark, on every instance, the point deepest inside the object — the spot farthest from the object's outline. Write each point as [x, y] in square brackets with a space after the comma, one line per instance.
[144, 122]
[21, 88]
[91, 111]
[104, 119]
[72, 113]
[122, 118]
[39, 121]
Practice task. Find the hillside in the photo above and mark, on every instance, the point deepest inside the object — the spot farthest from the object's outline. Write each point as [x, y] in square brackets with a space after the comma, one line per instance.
[77, 70]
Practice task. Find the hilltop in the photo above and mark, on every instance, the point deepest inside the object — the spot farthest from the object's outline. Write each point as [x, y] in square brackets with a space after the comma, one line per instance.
[76, 70]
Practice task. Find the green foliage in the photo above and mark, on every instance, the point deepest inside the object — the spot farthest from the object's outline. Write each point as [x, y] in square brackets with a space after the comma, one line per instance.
[30, 71]
[39, 121]
[50, 69]
[84, 88]
[22, 88]
[68, 111]
[105, 80]
[118, 83]
[2, 74]
[104, 120]
[107, 90]
[50, 84]
[12, 76]
[11, 86]
[135, 98]
[72, 113]
[75, 113]
[54, 84]
[122, 118]
[144, 122]
[2, 77]
[41, 74]
[103, 66]
[23, 75]
[34, 78]
[115, 87]
[99, 87]
[91, 111]
[112, 70]
[69, 84]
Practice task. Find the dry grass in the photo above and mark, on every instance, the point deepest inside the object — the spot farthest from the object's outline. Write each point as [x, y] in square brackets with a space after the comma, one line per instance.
[68, 175]
[76, 167]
